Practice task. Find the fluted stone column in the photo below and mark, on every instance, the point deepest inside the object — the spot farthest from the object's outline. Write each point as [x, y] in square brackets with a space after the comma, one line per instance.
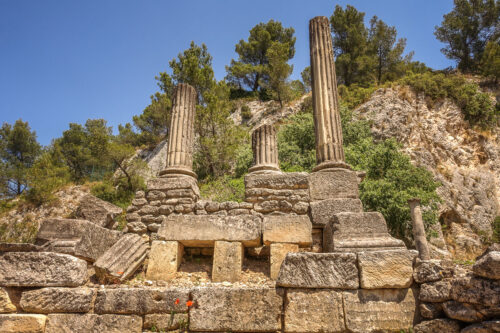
[181, 136]
[265, 149]
[328, 130]
[418, 229]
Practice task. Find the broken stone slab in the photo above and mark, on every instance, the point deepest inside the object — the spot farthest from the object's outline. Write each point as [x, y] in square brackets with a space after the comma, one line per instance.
[20, 247]
[432, 270]
[279, 181]
[476, 290]
[80, 238]
[204, 230]
[488, 265]
[319, 270]
[165, 184]
[322, 211]
[379, 310]
[97, 211]
[333, 183]
[296, 229]
[386, 269]
[439, 291]
[53, 300]
[141, 301]
[228, 261]
[22, 323]
[91, 323]
[165, 322]
[355, 232]
[278, 252]
[314, 310]
[6, 305]
[164, 260]
[462, 311]
[236, 309]
[41, 269]
[437, 325]
[120, 261]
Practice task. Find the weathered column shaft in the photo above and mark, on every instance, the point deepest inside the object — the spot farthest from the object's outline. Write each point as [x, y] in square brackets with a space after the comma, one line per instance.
[328, 129]
[419, 230]
[181, 136]
[265, 149]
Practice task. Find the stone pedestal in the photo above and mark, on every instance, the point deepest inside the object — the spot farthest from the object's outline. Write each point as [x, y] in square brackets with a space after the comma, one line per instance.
[419, 230]
[265, 149]
[228, 261]
[328, 130]
[181, 136]
[278, 254]
[164, 260]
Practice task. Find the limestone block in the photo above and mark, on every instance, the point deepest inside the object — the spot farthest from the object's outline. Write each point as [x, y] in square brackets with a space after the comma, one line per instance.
[19, 247]
[319, 270]
[228, 261]
[488, 265]
[322, 211]
[278, 254]
[461, 311]
[314, 311]
[267, 206]
[53, 300]
[92, 323]
[204, 230]
[141, 300]
[164, 260]
[386, 269]
[97, 211]
[438, 291]
[166, 322]
[122, 259]
[212, 207]
[22, 323]
[291, 180]
[484, 327]
[354, 232]
[431, 310]
[80, 238]
[333, 183]
[137, 228]
[470, 289]
[387, 310]
[236, 309]
[6, 305]
[437, 325]
[295, 229]
[165, 184]
[432, 270]
[301, 207]
[41, 269]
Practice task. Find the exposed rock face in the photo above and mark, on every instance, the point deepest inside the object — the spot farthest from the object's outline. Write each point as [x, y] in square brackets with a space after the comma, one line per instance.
[97, 211]
[465, 161]
[53, 300]
[488, 266]
[90, 323]
[41, 269]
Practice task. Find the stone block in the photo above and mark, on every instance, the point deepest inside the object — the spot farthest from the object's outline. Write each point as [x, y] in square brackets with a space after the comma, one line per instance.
[292, 180]
[431, 310]
[319, 270]
[228, 261]
[462, 311]
[333, 183]
[278, 252]
[204, 230]
[141, 301]
[379, 310]
[53, 300]
[80, 238]
[488, 265]
[432, 270]
[41, 269]
[295, 229]
[236, 309]
[322, 211]
[121, 260]
[166, 322]
[92, 323]
[386, 269]
[314, 311]
[355, 232]
[22, 323]
[97, 211]
[438, 291]
[484, 327]
[437, 325]
[166, 184]
[6, 305]
[137, 228]
[164, 260]
[476, 290]
[19, 247]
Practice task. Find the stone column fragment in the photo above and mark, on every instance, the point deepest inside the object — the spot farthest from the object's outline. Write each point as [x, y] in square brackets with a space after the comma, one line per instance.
[181, 136]
[328, 130]
[265, 149]
[418, 229]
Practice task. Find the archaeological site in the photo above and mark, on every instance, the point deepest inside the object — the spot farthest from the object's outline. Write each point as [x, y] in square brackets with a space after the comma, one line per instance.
[300, 254]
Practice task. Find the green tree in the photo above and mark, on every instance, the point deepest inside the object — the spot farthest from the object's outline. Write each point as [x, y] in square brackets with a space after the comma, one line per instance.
[296, 143]
[306, 78]
[490, 62]
[154, 121]
[467, 29]
[18, 151]
[279, 70]
[250, 70]
[350, 44]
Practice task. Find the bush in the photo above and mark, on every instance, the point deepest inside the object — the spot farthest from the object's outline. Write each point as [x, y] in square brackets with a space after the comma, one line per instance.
[246, 114]
[496, 230]
[354, 95]
[24, 231]
[244, 160]
[223, 189]
[119, 195]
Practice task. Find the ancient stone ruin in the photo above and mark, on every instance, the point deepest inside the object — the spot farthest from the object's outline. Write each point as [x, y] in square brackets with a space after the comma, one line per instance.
[331, 266]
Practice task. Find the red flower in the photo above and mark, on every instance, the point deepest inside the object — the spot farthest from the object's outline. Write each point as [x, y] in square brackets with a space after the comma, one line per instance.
[189, 303]
[120, 273]
[176, 301]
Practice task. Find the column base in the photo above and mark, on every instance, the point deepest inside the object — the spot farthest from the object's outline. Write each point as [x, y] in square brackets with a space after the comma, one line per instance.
[173, 171]
[331, 165]
[264, 168]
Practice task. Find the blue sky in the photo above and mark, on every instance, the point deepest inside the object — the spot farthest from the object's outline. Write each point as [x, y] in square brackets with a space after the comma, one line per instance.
[68, 61]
